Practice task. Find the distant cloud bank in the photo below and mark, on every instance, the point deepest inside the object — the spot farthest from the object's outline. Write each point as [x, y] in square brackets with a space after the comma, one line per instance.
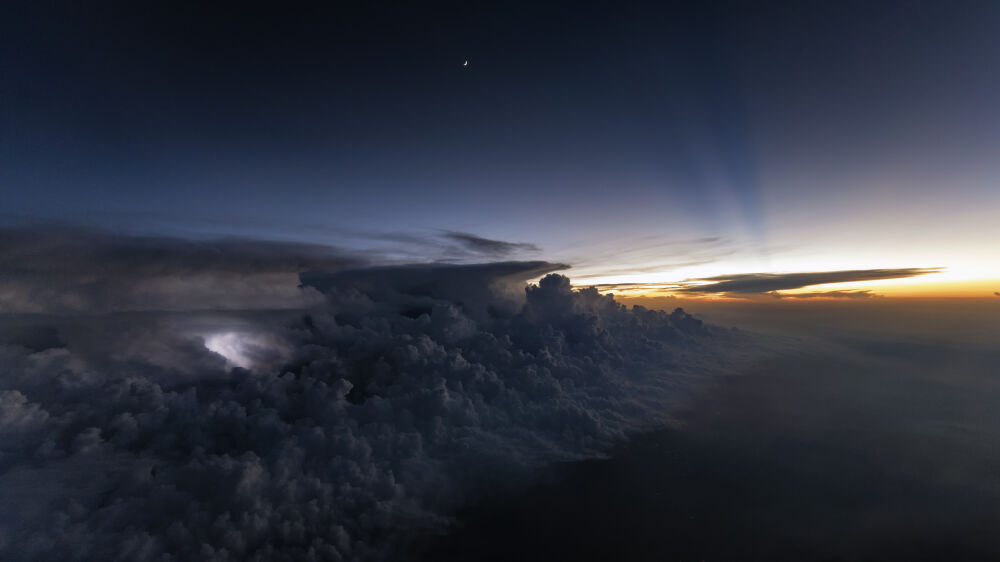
[768, 282]
[772, 284]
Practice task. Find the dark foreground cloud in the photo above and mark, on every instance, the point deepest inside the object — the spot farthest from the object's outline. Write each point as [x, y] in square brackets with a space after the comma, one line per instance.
[748, 283]
[361, 421]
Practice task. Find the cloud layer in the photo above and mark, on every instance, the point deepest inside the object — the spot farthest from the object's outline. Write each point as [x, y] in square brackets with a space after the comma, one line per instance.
[363, 419]
[71, 270]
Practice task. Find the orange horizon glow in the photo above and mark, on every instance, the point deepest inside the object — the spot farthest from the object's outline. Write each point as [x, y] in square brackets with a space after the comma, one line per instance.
[903, 288]
[955, 264]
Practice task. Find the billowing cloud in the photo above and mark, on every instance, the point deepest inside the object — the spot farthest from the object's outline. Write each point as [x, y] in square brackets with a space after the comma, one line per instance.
[768, 282]
[481, 290]
[361, 421]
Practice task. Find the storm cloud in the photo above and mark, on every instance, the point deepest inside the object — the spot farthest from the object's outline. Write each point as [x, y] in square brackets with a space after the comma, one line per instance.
[335, 431]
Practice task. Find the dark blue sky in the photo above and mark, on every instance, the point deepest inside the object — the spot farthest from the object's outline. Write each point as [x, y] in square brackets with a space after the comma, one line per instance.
[581, 127]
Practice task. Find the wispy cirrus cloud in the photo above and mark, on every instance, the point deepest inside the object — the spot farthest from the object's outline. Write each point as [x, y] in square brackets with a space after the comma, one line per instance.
[450, 246]
[488, 247]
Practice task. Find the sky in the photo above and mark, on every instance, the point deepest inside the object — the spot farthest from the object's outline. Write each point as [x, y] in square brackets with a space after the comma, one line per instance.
[648, 145]
[285, 281]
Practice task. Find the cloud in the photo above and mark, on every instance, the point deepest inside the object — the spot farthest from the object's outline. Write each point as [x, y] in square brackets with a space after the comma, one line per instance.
[57, 250]
[72, 270]
[997, 293]
[423, 245]
[488, 247]
[481, 290]
[838, 410]
[64, 269]
[768, 282]
[363, 420]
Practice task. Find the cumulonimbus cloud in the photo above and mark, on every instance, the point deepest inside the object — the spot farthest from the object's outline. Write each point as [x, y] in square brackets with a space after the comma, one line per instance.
[363, 419]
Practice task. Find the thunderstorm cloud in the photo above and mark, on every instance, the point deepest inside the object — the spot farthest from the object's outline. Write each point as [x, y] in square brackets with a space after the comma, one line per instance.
[335, 429]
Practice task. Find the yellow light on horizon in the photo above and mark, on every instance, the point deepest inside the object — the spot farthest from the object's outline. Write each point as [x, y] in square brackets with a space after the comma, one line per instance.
[965, 282]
